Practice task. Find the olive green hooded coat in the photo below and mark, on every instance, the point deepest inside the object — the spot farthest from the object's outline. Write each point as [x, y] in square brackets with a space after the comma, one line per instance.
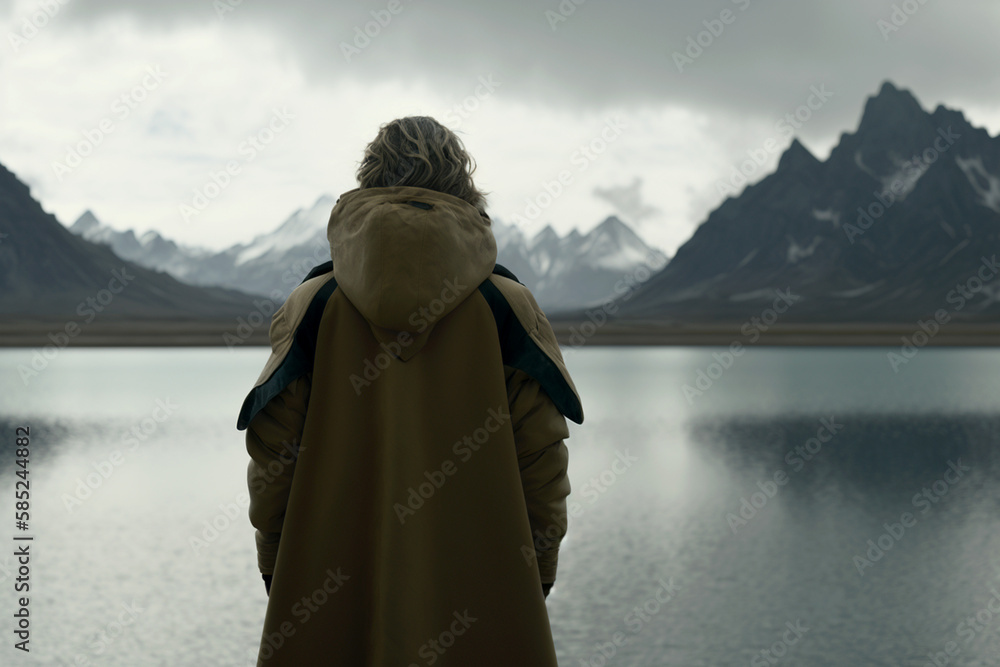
[408, 473]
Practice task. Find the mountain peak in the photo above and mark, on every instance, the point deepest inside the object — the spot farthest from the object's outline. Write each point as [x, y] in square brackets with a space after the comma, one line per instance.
[547, 234]
[612, 222]
[888, 88]
[613, 228]
[85, 223]
[798, 228]
[889, 93]
[891, 106]
[797, 156]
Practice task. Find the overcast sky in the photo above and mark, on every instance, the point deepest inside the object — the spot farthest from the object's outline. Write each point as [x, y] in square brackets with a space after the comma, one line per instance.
[162, 95]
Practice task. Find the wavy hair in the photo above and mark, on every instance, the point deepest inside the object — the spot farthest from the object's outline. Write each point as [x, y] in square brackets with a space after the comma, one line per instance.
[418, 151]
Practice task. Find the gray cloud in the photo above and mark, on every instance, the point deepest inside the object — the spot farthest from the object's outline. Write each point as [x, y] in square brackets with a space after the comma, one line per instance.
[609, 52]
[627, 201]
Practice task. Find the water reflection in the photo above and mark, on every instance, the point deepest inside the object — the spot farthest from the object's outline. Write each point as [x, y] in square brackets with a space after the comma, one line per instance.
[876, 453]
[664, 519]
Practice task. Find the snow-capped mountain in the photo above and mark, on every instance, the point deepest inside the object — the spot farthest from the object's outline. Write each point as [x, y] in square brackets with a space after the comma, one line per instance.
[258, 267]
[150, 250]
[577, 270]
[900, 223]
[568, 272]
[51, 275]
[305, 227]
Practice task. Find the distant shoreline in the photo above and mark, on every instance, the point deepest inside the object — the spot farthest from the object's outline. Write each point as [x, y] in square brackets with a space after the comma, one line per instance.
[789, 335]
[39, 334]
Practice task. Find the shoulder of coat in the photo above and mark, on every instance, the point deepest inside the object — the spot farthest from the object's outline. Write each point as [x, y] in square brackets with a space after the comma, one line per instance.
[520, 299]
[291, 313]
[299, 300]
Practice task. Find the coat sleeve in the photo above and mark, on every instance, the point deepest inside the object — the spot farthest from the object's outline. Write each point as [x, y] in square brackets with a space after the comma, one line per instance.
[539, 431]
[273, 438]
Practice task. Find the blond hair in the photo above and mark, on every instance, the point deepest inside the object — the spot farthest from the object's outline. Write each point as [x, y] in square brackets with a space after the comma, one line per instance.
[418, 151]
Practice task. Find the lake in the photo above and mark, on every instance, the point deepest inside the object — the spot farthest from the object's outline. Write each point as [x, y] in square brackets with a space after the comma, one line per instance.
[804, 506]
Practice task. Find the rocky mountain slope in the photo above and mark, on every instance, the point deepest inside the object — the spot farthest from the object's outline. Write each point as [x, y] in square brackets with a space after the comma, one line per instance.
[902, 221]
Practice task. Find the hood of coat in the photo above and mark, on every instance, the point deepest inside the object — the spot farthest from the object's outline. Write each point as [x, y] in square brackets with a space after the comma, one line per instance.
[405, 257]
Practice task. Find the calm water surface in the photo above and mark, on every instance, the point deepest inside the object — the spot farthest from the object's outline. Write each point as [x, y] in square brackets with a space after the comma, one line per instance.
[687, 551]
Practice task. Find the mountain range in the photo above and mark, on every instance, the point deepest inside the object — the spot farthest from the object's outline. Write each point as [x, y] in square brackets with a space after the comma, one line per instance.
[572, 271]
[900, 222]
[49, 274]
